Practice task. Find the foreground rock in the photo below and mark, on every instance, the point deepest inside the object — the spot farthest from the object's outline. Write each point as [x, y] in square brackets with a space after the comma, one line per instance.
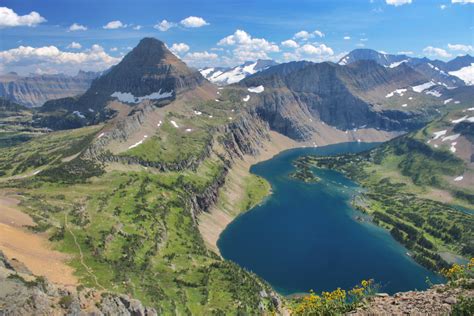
[21, 293]
[438, 300]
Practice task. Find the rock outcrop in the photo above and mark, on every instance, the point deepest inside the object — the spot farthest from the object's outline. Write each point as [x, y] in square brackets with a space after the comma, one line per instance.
[22, 293]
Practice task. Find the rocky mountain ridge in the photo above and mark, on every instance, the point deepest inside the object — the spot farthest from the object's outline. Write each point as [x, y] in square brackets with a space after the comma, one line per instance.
[35, 90]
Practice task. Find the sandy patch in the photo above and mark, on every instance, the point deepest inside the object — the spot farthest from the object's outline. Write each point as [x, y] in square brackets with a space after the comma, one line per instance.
[33, 250]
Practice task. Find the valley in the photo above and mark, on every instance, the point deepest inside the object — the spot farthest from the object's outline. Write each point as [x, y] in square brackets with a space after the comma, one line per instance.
[134, 180]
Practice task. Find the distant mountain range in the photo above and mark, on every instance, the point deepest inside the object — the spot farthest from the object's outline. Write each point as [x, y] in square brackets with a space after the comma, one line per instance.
[35, 90]
[456, 72]
[223, 76]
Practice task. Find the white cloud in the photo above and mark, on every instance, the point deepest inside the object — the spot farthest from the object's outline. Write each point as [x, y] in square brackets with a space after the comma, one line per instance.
[443, 6]
[114, 49]
[319, 50]
[289, 43]
[24, 59]
[319, 33]
[137, 27]
[193, 21]
[407, 52]
[461, 48]
[364, 39]
[179, 48]
[112, 25]
[436, 52]
[164, 25]
[77, 27]
[200, 58]
[303, 35]
[347, 38]
[397, 2]
[462, 1]
[248, 48]
[75, 45]
[8, 18]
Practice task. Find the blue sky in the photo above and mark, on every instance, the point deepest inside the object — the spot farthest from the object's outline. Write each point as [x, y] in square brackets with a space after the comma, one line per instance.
[226, 32]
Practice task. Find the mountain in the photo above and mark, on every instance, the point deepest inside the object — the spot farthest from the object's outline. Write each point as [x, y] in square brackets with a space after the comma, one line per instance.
[149, 73]
[35, 90]
[223, 76]
[436, 70]
[362, 94]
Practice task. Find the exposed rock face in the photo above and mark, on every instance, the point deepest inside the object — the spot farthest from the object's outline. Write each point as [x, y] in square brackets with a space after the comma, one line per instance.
[438, 300]
[35, 90]
[150, 68]
[296, 93]
[22, 293]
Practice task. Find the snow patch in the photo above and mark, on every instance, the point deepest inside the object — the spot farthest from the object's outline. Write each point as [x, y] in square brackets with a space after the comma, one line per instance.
[247, 97]
[393, 65]
[447, 101]
[100, 135]
[439, 134]
[174, 124]
[130, 98]
[197, 112]
[79, 114]
[258, 89]
[404, 105]
[459, 120]
[434, 93]
[399, 91]
[424, 86]
[458, 178]
[138, 143]
[188, 130]
[453, 147]
[466, 74]
[452, 137]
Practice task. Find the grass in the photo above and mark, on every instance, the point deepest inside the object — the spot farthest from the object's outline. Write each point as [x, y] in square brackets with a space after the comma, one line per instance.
[255, 191]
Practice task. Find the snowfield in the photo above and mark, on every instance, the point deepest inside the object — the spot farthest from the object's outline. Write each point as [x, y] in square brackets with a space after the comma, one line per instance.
[258, 89]
[174, 124]
[127, 97]
[439, 134]
[466, 74]
[247, 97]
[424, 86]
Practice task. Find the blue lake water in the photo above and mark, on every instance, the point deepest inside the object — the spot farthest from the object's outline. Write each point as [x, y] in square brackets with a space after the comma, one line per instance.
[305, 236]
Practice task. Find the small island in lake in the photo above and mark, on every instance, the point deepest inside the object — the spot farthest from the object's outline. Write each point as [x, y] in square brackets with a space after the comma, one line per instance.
[303, 173]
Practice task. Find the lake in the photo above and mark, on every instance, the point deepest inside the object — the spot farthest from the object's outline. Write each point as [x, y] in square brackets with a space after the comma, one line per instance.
[305, 235]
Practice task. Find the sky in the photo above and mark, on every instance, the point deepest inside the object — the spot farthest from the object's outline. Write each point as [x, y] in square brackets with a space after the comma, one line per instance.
[64, 36]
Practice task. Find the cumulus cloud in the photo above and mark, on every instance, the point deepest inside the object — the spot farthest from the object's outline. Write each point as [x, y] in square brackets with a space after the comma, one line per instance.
[461, 48]
[193, 21]
[199, 59]
[164, 25]
[303, 35]
[290, 44]
[247, 47]
[319, 33]
[137, 27]
[77, 27]
[24, 59]
[406, 52]
[436, 52]
[179, 48]
[112, 25]
[75, 45]
[347, 38]
[443, 6]
[398, 2]
[319, 50]
[9, 18]
[462, 1]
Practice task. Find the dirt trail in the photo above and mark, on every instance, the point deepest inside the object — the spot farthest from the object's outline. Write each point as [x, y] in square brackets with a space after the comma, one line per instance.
[33, 250]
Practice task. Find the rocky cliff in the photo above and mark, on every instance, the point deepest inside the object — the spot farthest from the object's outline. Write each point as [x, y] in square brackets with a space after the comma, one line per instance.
[35, 90]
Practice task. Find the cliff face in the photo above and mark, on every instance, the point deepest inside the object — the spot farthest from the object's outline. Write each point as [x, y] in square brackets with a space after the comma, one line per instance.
[34, 91]
[297, 93]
